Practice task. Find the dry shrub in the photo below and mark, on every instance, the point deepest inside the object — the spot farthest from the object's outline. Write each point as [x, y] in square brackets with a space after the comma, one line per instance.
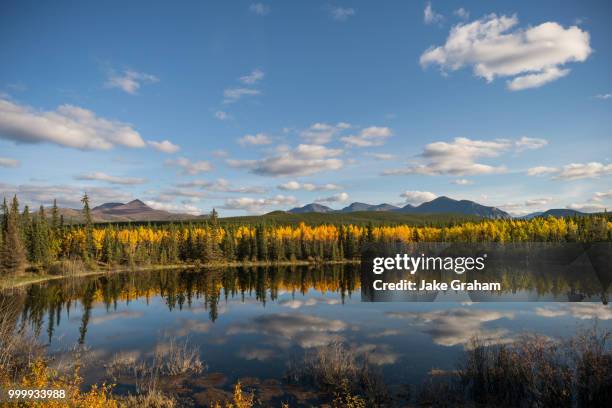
[150, 399]
[239, 399]
[170, 359]
[340, 372]
[534, 371]
[178, 358]
[18, 348]
[593, 367]
[441, 390]
[68, 267]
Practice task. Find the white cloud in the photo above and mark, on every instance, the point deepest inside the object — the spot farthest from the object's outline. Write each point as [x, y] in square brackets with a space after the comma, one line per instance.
[130, 81]
[536, 80]
[169, 195]
[69, 126]
[260, 9]
[290, 185]
[219, 153]
[530, 143]
[100, 176]
[256, 353]
[336, 198]
[254, 140]
[604, 96]
[575, 171]
[322, 133]
[541, 170]
[462, 182]
[222, 186]
[527, 206]
[256, 205]
[252, 78]
[294, 185]
[297, 304]
[165, 146]
[304, 330]
[450, 327]
[418, 197]
[190, 167]
[457, 158]
[598, 196]
[533, 56]
[430, 16]
[381, 156]
[222, 115]
[368, 137]
[304, 160]
[462, 13]
[587, 207]
[340, 13]
[8, 162]
[536, 202]
[583, 311]
[66, 195]
[232, 95]
[174, 208]
[126, 314]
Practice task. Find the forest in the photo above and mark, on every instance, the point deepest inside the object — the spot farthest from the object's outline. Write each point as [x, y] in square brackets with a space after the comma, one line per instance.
[39, 240]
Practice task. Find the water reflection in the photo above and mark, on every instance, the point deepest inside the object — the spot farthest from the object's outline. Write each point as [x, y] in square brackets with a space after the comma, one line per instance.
[559, 272]
[182, 289]
[248, 322]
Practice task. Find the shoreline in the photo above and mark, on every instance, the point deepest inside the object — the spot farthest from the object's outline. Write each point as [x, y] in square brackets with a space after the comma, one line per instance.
[30, 278]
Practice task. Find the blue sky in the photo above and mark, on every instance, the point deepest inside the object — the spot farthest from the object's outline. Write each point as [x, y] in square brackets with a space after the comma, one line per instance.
[255, 106]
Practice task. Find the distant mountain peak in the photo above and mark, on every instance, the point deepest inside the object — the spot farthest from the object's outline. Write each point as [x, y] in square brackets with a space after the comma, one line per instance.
[444, 204]
[136, 204]
[357, 206]
[442, 199]
[439, 205]
[313, 207]
[554, 212]
[106, 206]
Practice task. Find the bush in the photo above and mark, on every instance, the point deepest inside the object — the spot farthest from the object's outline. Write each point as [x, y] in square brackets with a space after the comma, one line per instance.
[341, 373]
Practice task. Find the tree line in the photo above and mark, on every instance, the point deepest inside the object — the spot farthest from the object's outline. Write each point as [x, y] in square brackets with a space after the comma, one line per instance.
[41, 239]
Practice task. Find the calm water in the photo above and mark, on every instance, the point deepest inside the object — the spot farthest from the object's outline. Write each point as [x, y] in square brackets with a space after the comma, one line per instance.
[251, 322]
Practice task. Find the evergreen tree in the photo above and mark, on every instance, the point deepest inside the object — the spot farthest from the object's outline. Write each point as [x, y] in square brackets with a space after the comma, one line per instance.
[89, 245]
[228, 246]
[5, 215]
[214, 253]
[26, 231]
[262, 245]
[12, 253]
[55, 216]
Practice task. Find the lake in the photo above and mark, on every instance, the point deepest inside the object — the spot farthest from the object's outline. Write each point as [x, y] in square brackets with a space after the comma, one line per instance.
[250, 323]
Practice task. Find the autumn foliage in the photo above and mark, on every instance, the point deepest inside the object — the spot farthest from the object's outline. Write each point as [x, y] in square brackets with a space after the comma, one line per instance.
[47, 240]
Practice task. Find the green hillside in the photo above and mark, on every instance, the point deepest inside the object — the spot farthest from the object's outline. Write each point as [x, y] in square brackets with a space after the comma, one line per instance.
[357, 218]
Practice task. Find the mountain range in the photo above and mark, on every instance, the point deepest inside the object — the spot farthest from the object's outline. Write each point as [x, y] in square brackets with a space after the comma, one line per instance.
[436, 206]
[557, 212]
[137, 210]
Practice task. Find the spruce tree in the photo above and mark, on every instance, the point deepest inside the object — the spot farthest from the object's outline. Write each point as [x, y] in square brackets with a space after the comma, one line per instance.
[55, 216]
[262, 244]
[214, 254]
[89, 245]
[12, 253]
